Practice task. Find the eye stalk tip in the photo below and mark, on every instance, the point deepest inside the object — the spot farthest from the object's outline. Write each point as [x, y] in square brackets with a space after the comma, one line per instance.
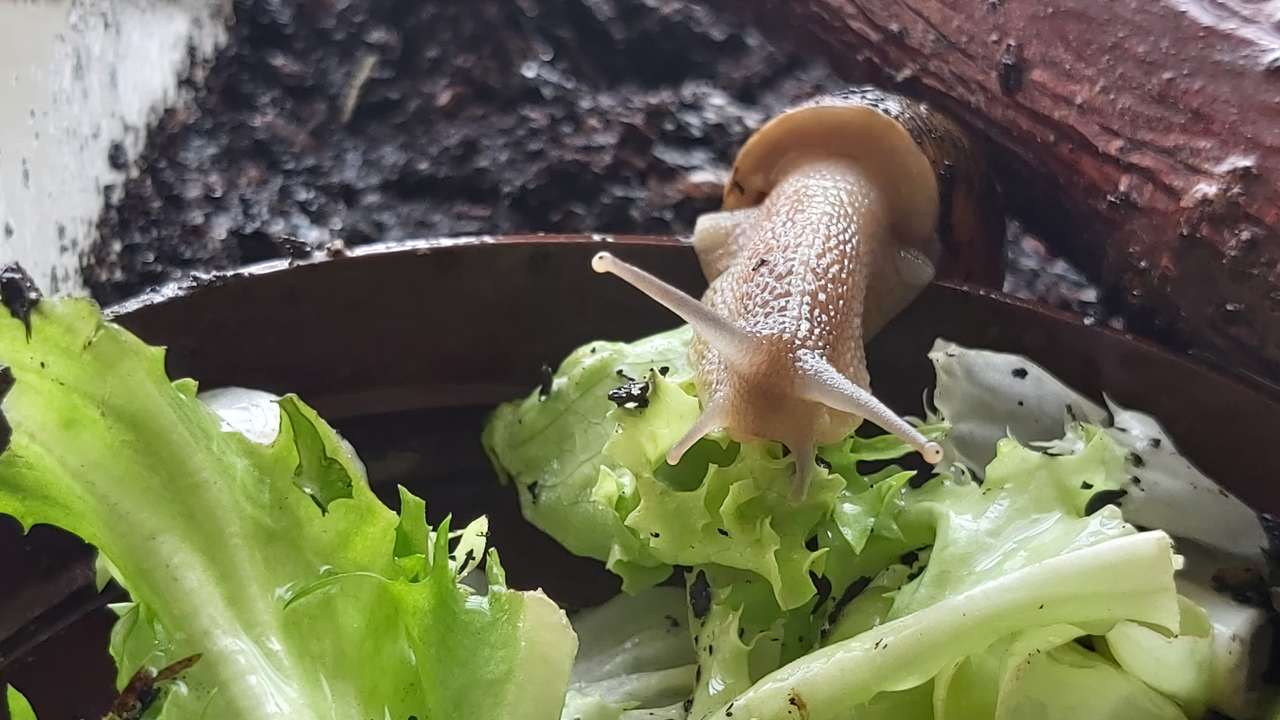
[932, 453]
[602, 262]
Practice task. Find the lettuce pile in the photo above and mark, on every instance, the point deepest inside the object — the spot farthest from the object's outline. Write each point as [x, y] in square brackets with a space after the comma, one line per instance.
[1010, 587]
[1018, 583]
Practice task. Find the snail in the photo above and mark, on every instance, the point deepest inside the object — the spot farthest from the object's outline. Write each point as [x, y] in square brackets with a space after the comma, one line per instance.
[834, 219]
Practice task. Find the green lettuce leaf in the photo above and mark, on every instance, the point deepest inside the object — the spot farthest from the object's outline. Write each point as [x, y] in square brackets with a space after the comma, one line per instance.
[1130, 578]
[592, 473]
[550, 445]
[1030, 508]
[634, 659]
[1042, 673]
[986, 396]
[1179, 666]
[1068, 682]
[306, 597]
[775, 587]
[19, 708]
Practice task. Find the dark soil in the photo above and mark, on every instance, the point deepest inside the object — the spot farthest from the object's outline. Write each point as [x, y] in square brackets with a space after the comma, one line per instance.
[477, 117]
[373, 120]
[1033, 272]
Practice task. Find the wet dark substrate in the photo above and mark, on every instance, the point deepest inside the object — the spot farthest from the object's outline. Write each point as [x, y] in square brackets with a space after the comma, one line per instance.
[372, 120]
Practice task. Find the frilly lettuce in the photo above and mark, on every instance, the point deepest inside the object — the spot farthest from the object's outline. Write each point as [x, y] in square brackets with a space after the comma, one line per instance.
[987, 396]
[1009, 588]
[269, 556]
[591, 472]
[1128, 578]
[550, 445]
[1043, 673]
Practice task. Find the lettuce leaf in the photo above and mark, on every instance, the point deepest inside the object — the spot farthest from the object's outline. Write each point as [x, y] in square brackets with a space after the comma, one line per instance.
[550, 445]
[1179, 666]
[1127, 578]
[976, 572]
[1031, 508]
[267, 554]
[1042, 673]
[19, 708]
[592, 473]
[634, 659]
[986, 396]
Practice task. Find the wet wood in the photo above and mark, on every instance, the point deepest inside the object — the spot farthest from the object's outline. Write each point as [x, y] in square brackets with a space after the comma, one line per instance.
[1142, 137]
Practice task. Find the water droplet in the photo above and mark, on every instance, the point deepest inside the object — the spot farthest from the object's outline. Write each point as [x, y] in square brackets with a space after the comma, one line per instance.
[1232, 313]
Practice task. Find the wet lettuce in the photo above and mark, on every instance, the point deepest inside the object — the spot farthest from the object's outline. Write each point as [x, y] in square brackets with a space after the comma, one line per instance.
[634, 659]
[1011, 584]
[266, 554]
[1007, 587]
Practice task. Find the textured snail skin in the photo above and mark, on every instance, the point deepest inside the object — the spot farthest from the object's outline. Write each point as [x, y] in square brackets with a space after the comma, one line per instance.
[832, 223]
[778, 342]
[798, 284]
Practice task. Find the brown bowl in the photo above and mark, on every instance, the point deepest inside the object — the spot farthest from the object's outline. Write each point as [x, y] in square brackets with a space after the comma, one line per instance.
[406, 347]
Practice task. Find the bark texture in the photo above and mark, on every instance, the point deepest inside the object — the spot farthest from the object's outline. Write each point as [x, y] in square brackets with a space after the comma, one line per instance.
[1141, 137]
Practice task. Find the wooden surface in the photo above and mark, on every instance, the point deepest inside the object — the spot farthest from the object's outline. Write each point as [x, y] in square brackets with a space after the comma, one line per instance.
[1140, 136]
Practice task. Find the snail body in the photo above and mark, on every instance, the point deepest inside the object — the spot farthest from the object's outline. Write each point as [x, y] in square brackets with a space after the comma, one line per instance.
[834, 219]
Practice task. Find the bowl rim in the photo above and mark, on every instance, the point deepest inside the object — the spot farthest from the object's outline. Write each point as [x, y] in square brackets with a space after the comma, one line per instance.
[338, 252]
